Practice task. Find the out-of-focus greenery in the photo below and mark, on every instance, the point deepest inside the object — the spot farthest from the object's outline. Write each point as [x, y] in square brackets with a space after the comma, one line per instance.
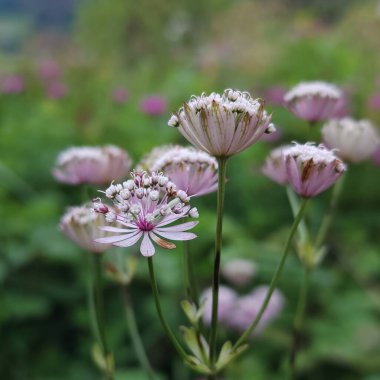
[175, 49]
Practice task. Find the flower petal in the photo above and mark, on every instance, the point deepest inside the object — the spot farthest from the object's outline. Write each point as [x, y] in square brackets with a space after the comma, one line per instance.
[177, 235]
[178, 227]
[147, 247]
[132, 239]
[113, 239]
[161, 242]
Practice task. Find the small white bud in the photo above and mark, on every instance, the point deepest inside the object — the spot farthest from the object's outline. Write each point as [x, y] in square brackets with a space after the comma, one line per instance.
[140, 193]
[110, 217]
[125, 194]
[183, 196]
[135, 209]
[149, 218]
[173, 121]
[130, 185]
[154, 195]
[162, 180]
[194, 213]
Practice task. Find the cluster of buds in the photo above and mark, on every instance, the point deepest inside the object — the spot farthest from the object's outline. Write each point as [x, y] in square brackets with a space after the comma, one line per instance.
[222, 125]
[145, 205]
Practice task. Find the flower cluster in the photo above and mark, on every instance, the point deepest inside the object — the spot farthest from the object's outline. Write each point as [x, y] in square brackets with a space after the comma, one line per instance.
[309, 169]
[238, 312]
[146, 205]
[313, 101]
[82, 225]
[355, 141]
[222, 125]
[95, 165]
[192, 170]
[239, 272]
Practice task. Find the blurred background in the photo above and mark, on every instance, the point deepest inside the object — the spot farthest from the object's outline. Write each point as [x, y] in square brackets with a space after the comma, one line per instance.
[97, 72]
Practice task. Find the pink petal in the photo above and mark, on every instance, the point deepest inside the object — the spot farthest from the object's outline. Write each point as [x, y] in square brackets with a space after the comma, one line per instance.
[112, 239]
[115, 229]
[161, 242]
[147, 247]
[177, 235]
[178, 227]
[133, 239]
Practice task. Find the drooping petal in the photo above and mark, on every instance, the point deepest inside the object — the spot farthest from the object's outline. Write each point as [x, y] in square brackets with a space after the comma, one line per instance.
[133, 239]
[177, 235]
[161, 242]
[147, 247]
[113, 239]
[177, 228]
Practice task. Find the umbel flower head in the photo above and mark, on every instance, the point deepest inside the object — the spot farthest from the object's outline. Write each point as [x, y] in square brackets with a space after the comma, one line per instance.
[355, 141]
[82, 225]
[222, 125]
[313, 101]
[312, 169]
[274, 166]
[146, 205]
[192, 170]
[93, 165]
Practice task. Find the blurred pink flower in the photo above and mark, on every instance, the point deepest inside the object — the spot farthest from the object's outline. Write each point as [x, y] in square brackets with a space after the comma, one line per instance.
[222, 125]
[247, 307]
[153, 105]
[343, 106]
[94, 165]
[193, 171]
[82, 225]
[274, 166]
[146, 204]
[12, 84]
[120, 95]
[56, 90]
[313, 101]
[312, 169]
[239, 272]
[275, 95]
[49, 70]
[374, 101]
[226, 304]
[354, 140]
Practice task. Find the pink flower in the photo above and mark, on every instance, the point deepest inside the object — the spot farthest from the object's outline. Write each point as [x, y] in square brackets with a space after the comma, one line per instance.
[12, 84]
[82, 225]
[239, 272]
[56, 90]
[274, 166]
[95, 165]
[153, 105]
[222, 125]
[312, 169]
[226, 304]
[146, 205]
[313, 101]
[49, 70]
[354, 140]
[120, 95]
[247, 307]
[191, 170]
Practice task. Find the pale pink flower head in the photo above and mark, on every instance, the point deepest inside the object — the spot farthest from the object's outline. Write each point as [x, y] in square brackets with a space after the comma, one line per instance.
[56, 89]
[146, 207]
[153, 105]
[82, 225]
[274, 166]
[373, 101]
[312, 169]
[12, 84]
[222, 125]
[226, 303]
[354, 140]
[247, 307]
[120, 95]
[239, 272]
[313, 101]
[49, 70]
[92, 165]
[193, 171]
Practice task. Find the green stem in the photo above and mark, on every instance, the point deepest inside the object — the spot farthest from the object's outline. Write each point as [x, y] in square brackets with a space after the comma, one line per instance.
[327, 220]
[245, 336]
[135, 335]
[294, 205]
[222, 166]
[99, 314]
[191, 286]
[299, 322]
[164, 324]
